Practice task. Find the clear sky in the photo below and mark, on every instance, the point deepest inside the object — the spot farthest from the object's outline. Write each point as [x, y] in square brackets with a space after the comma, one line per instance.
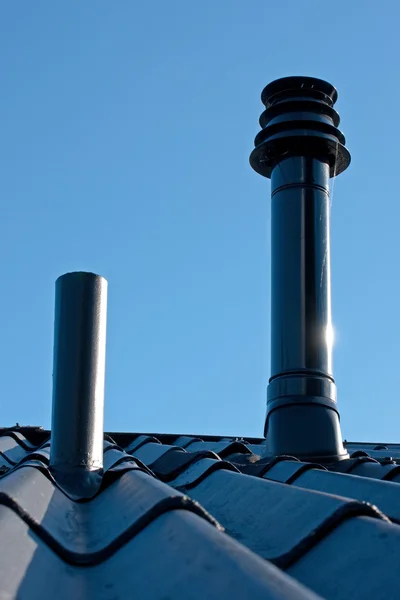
[125, 131]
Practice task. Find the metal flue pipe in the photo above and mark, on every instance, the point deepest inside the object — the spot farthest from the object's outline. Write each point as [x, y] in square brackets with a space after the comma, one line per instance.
[76, 454]
[299, 148]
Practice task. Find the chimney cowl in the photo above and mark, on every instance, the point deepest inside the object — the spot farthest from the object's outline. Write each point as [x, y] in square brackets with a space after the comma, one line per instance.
[299, 148]
[299, 119]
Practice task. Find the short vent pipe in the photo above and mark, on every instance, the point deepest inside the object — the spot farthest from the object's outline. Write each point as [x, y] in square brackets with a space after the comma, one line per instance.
[76, 454]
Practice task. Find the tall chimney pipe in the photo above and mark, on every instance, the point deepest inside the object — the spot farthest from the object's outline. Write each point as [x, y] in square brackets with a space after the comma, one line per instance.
[299, 148]
[76, 453]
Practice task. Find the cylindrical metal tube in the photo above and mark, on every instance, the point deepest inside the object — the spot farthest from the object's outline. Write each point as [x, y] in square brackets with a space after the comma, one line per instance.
[79, 372]
[301, 328]
[300, 147]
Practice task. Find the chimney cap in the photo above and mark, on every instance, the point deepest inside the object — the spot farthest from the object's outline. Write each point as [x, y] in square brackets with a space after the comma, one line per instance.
[299, 118]
[299, 86]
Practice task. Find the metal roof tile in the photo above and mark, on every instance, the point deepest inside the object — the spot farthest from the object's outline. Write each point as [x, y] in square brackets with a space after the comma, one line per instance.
[215, 566]
[383, 494]
[271, 518]
[259, 449]
[224, 449]
[11, 449]
[373, 469]
[287, 471]
[4, 461]
[150, 452]
[42, 454]
[171, 464]
[114, 457]
[286, 523]
[198, 470]
[180, 556]
[29, 569]
[139, 441]
[357, 560]
[18, 437]
[87, 533]
[184, 440]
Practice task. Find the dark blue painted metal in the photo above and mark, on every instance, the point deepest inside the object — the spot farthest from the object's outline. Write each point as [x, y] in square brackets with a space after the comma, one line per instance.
[50, 534]
[278, 521]
[300, 148]
[78, 379]
[177, 555]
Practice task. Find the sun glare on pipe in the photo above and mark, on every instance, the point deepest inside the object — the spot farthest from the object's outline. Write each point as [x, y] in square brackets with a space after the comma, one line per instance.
[330, 335]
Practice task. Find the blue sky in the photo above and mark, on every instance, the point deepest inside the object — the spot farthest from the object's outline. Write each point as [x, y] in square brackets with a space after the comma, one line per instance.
[124, 141]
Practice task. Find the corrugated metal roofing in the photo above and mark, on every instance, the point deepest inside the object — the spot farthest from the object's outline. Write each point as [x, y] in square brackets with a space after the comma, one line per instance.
[199, 517]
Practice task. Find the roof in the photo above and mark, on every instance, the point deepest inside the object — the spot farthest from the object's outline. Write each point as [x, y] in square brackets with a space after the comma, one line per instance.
[199, 517]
